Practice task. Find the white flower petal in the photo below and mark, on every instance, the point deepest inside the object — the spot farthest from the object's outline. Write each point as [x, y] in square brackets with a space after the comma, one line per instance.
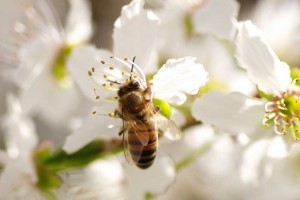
[216, 17]
[52, 103]
[18, 180]
[277, 148]
[233, 112]
[177, 78]
[80, 62]
[36, 55]
[154, 180]
[19, 130]
[263, 67]
[193, 140]
[102, 179]
[285, 43]
[79, 22]
[135, 33]
[255, 165]
[30, 41]
[97, 126]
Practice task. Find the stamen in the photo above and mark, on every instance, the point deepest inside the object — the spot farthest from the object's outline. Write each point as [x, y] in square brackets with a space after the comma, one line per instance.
[284, 112]
[96, 95]
[126, 64]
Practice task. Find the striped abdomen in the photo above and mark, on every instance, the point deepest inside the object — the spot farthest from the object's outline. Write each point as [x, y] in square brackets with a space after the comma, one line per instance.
[142, 144]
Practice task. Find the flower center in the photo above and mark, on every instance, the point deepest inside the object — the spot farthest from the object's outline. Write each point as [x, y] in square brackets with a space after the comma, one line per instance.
[284, 112]
[59, 68]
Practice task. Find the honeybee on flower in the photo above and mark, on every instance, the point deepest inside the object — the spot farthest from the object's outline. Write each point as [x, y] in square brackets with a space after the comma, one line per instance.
[92, 68]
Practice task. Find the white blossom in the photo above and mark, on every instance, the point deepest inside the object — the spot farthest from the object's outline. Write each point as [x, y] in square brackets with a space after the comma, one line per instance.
[39, 46]
[18, 180]
[103, 179]
[248, 115]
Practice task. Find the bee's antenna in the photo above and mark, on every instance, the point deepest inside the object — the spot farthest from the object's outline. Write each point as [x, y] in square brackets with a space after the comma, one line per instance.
[132, 68]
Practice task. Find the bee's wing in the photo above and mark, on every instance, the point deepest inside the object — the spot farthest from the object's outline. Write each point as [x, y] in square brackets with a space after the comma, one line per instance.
[167, 127]
[133, 147]
[126, 149]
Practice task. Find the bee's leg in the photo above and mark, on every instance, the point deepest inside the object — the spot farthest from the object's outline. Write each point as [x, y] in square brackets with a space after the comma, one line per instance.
[122, 131]
[148, 93]
[156, 109]
[117, 113]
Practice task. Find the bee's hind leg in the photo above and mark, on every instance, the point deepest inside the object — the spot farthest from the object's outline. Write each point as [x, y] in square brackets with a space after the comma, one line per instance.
[122, 131]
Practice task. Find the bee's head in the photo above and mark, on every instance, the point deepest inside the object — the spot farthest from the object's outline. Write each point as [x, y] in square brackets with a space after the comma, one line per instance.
[132, 85]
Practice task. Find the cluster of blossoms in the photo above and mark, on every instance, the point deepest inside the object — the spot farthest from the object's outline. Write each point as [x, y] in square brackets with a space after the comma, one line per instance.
[217, 80]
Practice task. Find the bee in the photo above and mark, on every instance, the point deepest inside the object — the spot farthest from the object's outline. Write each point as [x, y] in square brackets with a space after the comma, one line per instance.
[142, 123]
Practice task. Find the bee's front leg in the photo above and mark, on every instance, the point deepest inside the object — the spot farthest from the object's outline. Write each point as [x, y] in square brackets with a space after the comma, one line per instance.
[148, 94]
[116, 113]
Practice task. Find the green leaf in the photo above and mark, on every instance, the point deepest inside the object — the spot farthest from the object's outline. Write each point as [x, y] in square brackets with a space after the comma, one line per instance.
[164, 107]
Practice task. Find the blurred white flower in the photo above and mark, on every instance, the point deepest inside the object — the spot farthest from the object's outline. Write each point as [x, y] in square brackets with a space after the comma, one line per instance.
[247, 115]
[102, 179]
[18, 179]
[207, 160]
[271, 16]
[154, 181]
[19, 129]
[193, 29]
[35, 49]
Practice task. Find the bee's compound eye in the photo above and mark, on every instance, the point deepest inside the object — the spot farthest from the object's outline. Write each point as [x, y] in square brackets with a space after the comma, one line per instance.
[121, 92]
[134, 85]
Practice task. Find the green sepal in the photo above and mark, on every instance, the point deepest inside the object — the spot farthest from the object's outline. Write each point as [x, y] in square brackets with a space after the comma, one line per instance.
[188, 25]
[150, 76]
[47, 180]
[164, 107]
[264, 95]
[59, 68]
[295, 75]
[98, 149]
[212, 84]
[148, 196]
